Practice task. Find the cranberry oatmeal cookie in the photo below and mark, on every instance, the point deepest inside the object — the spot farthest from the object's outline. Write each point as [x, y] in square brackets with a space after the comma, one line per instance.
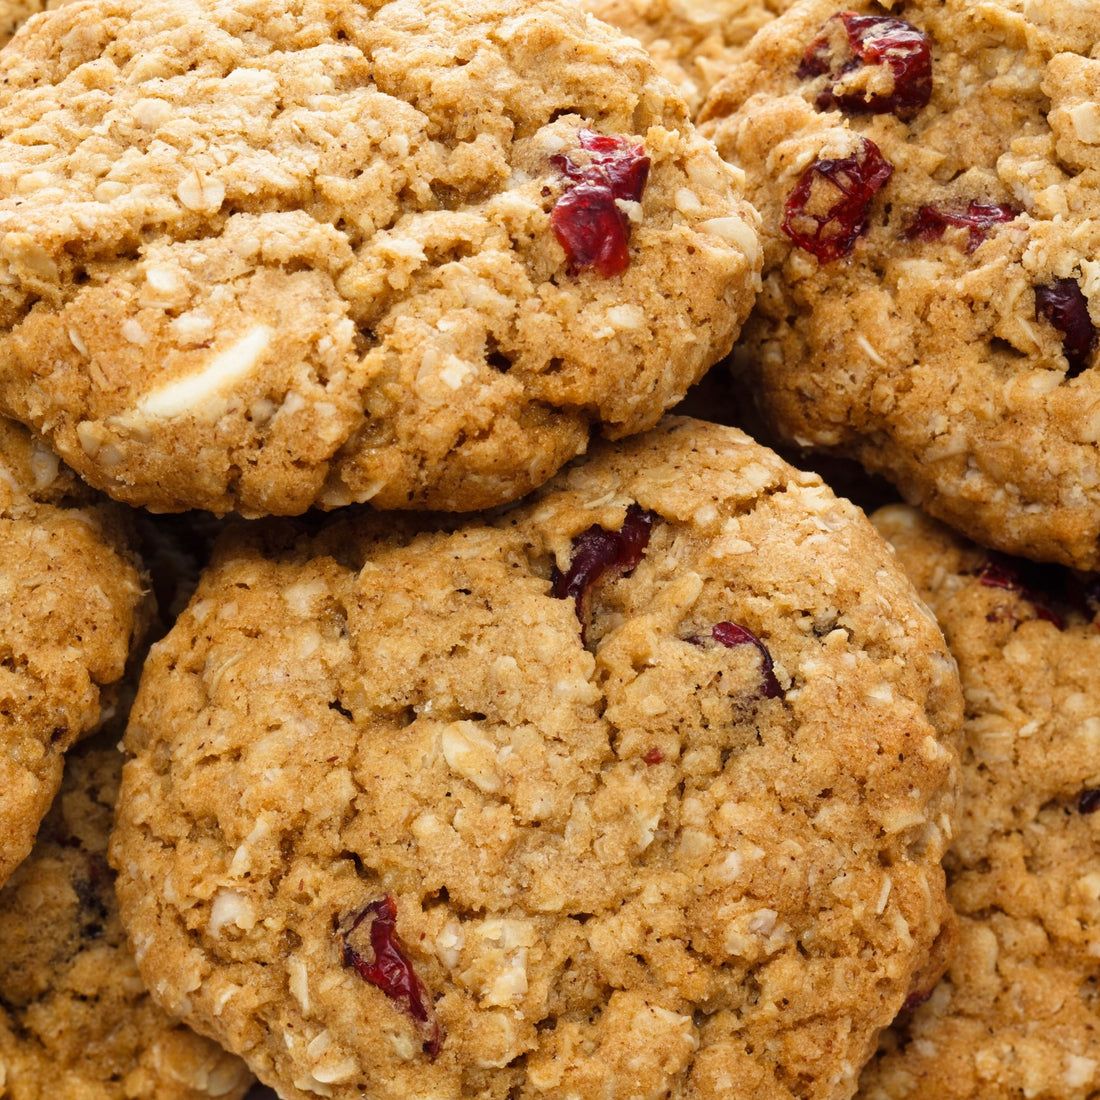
[928, 181]
[71, 607]
[693, 42]
[75, 1020]
[639, 788]
[1018, 1012]
[260, 258]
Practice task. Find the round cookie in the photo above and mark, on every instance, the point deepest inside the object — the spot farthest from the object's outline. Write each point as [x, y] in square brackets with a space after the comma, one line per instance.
[71, 606]
[928, 183]
[693, 42]
[639, 788]
[76, 1022]
[260, 258]
[1018, 1012]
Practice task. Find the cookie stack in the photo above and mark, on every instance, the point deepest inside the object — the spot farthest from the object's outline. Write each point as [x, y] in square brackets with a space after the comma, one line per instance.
[520, 739]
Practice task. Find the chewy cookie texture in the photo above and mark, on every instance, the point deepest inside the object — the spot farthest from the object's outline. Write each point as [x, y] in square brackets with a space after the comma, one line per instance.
[76, 1022]
[640, 787]
[260, 257]
[927, 181]
[72, 603]
[1018, 1012]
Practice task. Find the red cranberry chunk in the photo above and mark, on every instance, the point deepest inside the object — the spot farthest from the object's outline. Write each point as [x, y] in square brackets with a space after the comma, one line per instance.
[1001, 573]
[586, 219]
[1065, 306]
[977, 219]
[593, 231]
[598, 552]
[1088, 802]
[915, 1000]
[851, 43]
[828, 209]
[391, 970]
[733, 634]
[612, 160]
[654, 756]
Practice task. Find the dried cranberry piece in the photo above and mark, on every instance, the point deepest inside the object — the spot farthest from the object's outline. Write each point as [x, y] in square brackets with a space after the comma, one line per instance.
[597, 552]
[586, 219]
[733, 634]
[915, 1000]
[1064, 305]
[849, 42]
[1088, 801]
[613, 161]
[842, 188]
[654, 756]
[391, 970]
[999, 572]
[593, 231]
[977, 219]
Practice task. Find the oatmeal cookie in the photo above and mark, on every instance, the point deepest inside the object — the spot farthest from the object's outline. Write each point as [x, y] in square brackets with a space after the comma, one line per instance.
[639, 788]
[929, 183]
[693, 42]
[1018, 1012]
[76, 1022]
[71, 607]
[259, 258]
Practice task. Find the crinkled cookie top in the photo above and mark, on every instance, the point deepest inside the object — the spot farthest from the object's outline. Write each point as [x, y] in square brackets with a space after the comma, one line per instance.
[929, 182]
[72, 604]
[638, 789]
[261, 257]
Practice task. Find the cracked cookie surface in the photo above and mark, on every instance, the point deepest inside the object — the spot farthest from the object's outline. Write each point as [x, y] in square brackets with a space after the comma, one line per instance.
[641, 785]
[693, 42]
[260, 258]
[71, 606]
[76, 1022]
[948, 336]
[1018, 1012]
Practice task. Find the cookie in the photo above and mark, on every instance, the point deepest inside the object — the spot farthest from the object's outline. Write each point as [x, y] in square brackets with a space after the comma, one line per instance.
[1018, 1012]
[76, 1022]
[71, 607]
[261, 259]
[639, 788]
[927, 182]
[693, 42]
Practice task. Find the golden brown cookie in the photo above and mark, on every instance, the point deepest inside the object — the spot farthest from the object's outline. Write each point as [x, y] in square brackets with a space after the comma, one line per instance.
[259, 258]
[76, 1022]
[1018, 1012]
[927, 180]
[71, 606]
[637, 789]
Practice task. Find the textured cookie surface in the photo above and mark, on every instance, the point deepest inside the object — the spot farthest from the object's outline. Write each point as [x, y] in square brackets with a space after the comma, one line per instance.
[75, 1020]
[400, 819]
[71, 604]
[259, 258]
[1018, 1012]
[693, 42]
[952, 343]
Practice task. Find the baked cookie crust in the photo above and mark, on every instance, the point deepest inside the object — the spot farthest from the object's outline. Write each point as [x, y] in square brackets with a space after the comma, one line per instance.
[76, 1022]
[1017, 1013]
[641, 786]
[263, 258]
[72, 606]
[952, 345]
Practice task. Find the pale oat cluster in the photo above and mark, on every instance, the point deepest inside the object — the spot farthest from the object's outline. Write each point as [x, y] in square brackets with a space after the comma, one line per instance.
[515, 740]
